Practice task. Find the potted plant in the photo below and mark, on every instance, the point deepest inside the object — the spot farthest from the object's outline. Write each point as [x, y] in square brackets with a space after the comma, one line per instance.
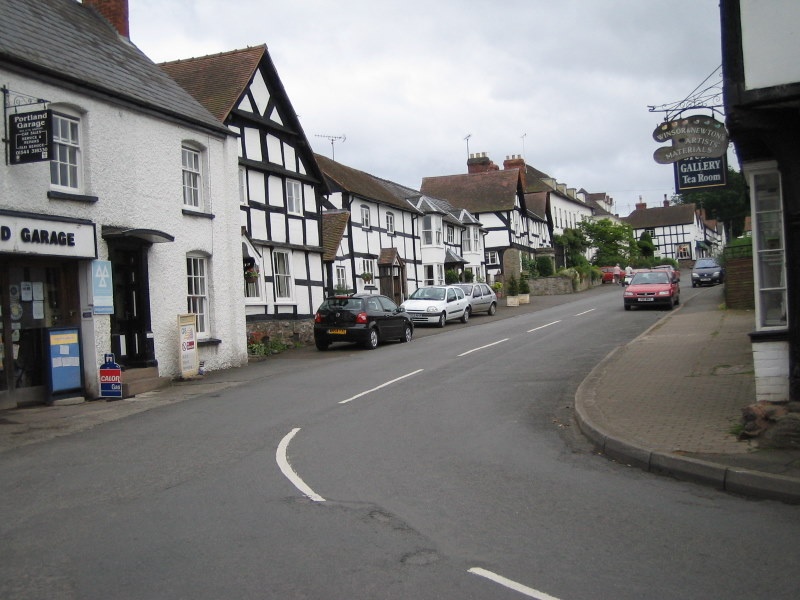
[251, 273]
[524, 289]
[366, 277]
[497, 286]
[512, 299]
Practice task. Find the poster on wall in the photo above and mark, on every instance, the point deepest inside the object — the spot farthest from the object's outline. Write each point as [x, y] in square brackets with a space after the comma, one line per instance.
[102, 287]
[65, 372]
[187, 327]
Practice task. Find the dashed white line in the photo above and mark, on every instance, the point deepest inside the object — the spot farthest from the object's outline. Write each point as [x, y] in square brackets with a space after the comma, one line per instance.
[510, 584]
[543, 326]
[584, 312]
[483, 347]
[286, 468]
[383, 385]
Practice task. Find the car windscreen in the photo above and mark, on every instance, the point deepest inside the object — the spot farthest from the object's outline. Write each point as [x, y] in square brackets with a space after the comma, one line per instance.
[428, 293]
[649, 278]
[343, 304]
[705, 264]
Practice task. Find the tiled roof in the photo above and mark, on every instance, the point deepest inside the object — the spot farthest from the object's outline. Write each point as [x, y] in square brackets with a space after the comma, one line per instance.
[390, 256]
[334, 223]
[70, 42]
[477, 192]
[661, 216]
[366, 186]
[536, 203]
[217, 80]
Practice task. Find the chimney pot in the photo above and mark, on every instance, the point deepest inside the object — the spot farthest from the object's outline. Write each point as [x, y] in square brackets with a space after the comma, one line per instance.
[113, 11]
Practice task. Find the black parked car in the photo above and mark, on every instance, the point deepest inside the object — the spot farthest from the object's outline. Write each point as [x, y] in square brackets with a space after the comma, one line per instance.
[707, 270]
[367, 319]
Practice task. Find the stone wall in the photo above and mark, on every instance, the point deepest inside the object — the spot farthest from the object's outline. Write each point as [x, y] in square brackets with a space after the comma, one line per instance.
[293, 331]
[556, 286]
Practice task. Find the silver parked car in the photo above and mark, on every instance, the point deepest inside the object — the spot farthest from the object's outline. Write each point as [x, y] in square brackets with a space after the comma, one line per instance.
[481, 297]
[437, 304]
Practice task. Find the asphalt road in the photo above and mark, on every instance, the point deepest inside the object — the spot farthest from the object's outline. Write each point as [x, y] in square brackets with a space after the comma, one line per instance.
[444, 468]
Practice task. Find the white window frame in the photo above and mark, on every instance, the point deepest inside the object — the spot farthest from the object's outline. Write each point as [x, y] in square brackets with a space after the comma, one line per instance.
[476, 239]
[66, 169]
[492, 257]
[283, 283]
[294, 197]
[243, 186]
[390, 223]
[197, 291]
[451, 234]
[192, 175]
[341, 277]
[365, 219]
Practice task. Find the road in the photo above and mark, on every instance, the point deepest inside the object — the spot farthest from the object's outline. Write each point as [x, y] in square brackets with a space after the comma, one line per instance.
[445, 468]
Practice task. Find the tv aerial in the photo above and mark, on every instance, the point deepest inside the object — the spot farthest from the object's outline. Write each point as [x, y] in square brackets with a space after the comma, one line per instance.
[333, 139]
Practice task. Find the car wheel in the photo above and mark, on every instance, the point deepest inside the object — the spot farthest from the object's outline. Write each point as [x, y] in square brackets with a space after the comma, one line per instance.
[321, 345]
[408, 333]
[372, 340]
[465, 318]
[442, 320]
[627, 307]
[492, 309]
[694, 284]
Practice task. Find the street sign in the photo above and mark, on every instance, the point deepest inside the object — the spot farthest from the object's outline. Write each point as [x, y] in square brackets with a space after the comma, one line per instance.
[698, 173]
[31, 136]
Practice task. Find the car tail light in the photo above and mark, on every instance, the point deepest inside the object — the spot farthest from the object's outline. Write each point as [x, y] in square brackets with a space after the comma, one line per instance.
[362, 318]
[317, 318]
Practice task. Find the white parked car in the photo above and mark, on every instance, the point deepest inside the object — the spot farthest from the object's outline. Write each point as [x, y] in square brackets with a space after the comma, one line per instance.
[437, 304]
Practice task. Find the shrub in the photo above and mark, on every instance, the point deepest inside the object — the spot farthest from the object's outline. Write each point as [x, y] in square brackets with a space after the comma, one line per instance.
[469, 276]
[544, 266]
[451, 276]
[513, 287]
[524, 286]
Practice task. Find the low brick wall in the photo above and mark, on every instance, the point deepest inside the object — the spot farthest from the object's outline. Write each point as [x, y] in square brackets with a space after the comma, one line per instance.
[293, 331]
[556, 286]
[739, 283]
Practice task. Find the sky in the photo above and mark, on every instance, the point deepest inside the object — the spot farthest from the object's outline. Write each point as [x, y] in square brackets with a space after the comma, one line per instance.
[410, 87]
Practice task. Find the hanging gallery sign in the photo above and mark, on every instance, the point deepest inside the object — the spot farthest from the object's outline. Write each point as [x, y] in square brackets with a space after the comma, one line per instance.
[690, 137]
[30, 136]
[697, 173]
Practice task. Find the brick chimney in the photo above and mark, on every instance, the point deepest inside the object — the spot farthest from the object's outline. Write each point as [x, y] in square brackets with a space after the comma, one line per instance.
[114, 11]
[641, 205]
[666, 202]
[515, 161]
[480, 163]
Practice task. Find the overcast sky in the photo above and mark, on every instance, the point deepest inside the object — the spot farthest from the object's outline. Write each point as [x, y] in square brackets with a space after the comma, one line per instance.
[566, 83]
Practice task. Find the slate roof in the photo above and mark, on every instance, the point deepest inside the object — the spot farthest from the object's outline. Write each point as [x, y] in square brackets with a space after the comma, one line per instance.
[334, 222]
[536, 203]
[75, 46]
[217, 80]
[477, 192]
[661, 216]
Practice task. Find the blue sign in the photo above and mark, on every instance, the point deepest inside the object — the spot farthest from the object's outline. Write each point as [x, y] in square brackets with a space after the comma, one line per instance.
[64, 353]
[102, 287]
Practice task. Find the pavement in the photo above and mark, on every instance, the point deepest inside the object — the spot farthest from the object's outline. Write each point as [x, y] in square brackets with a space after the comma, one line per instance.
[667, 402]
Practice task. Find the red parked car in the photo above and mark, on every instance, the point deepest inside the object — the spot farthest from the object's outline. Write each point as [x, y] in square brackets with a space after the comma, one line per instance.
[655, 287]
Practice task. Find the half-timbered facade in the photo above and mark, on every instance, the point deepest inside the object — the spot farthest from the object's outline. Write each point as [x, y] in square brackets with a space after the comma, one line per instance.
[678, 231]
[125, 224]
[396, 238]
[280, 186]
[496, 199]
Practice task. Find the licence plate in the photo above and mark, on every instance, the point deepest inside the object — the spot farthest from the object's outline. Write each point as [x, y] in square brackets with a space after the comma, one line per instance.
[646, 299]
[337, 331]
[705, 279]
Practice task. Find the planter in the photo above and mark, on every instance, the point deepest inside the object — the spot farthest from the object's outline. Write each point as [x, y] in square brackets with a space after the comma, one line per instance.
[524, 298]
[512, 300]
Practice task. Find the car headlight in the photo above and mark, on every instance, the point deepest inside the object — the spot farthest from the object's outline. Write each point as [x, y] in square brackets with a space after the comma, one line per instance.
[716, 274]
[627, 293]
[432, 309]
[664, 293]
[695, 274]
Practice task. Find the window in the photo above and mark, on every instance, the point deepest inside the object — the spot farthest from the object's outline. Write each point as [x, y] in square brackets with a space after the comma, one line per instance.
[283, 275]
[341, 278]
[367, 266]
[294, 198]
[476, 239]
[197, 292]
[466, 240]
[492, 258]
[242, 186]
[431, 230]
[389, 222]
[65, 166]
[252, 278]
[451, 234]
[365, 216]
[192, 181]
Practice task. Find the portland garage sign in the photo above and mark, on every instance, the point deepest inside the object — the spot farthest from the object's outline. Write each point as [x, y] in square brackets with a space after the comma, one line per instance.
[698, 150]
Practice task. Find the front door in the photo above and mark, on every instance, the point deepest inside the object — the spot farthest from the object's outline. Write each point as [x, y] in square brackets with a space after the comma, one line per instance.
[131, 340]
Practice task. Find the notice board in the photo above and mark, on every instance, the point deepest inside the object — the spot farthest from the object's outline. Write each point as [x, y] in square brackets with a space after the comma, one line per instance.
[65, 368]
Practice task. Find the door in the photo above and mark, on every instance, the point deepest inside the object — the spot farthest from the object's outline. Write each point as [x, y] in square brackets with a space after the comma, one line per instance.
[131, 341]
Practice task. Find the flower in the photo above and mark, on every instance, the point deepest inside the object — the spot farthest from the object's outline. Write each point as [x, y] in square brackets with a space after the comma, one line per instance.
[251, 273]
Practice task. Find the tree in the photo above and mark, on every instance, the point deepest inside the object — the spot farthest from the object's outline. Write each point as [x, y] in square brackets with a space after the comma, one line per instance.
[647, 249]
[729, 204]
[614, 242]
[575, 244]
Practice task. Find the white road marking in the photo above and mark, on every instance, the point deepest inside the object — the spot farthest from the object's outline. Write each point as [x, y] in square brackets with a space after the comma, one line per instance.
[286, 468]
[543, 326]
[383, 385]
[512, 585]
[584, 312]
[483, 347]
